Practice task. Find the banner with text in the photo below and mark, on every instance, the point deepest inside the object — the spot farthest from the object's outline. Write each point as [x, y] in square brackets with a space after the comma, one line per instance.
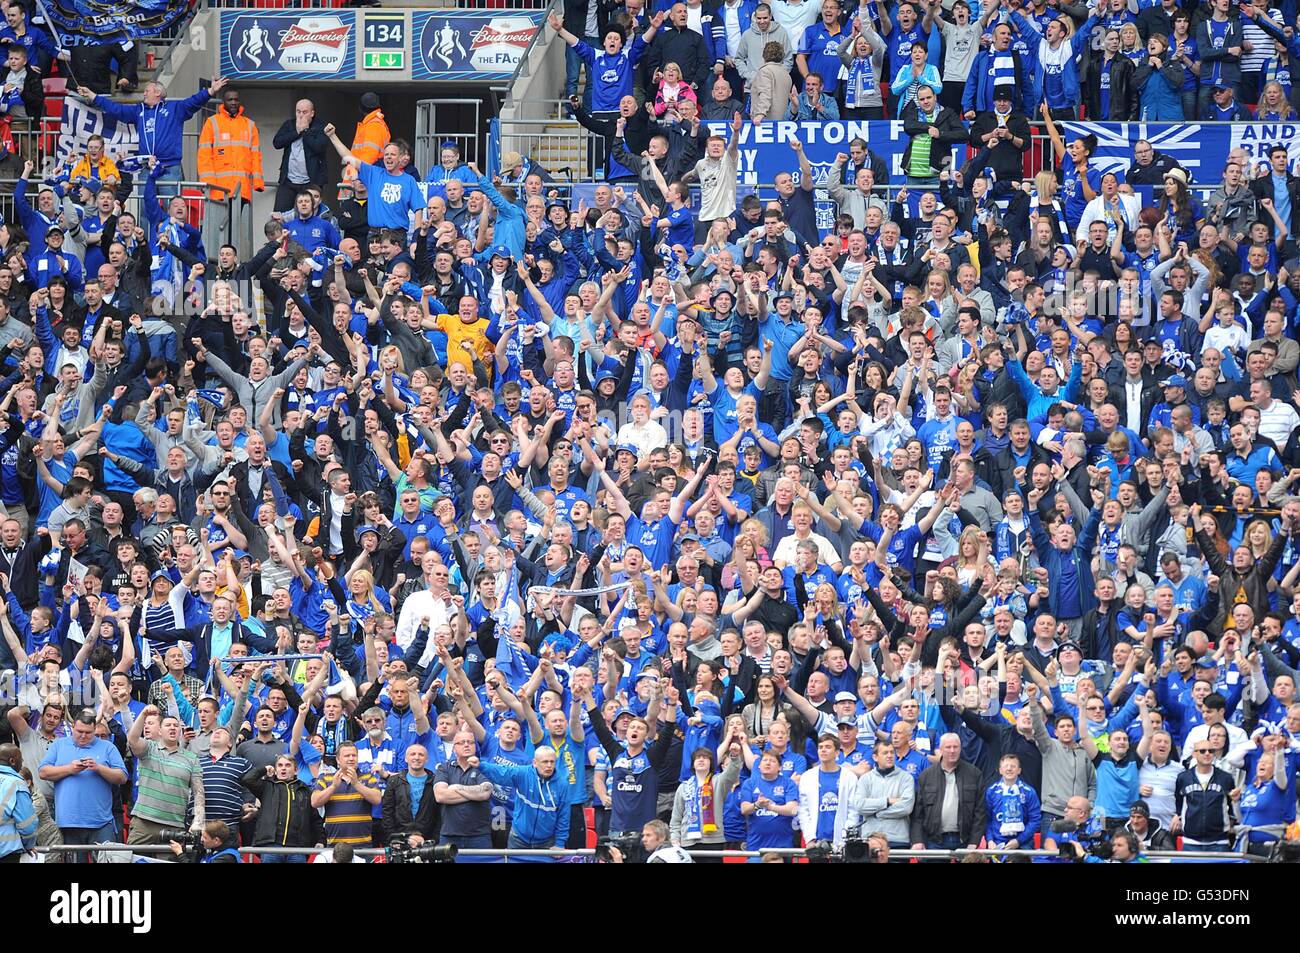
[80, 121]
[303, 45]
[90, 22]
[470, 44]
[1201, 148]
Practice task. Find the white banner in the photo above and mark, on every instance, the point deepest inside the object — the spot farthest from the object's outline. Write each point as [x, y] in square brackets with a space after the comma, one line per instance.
[81, 121]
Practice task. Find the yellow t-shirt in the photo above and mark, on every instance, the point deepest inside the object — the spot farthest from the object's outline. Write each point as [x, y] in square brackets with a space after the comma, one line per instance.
[458, 331]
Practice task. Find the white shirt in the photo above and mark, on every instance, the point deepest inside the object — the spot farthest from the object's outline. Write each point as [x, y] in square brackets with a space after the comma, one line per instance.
[731, 20]
[416, 607]
[1278, 421]
[1133, 404]
[796, 17]
[645, 437]
[784, 554]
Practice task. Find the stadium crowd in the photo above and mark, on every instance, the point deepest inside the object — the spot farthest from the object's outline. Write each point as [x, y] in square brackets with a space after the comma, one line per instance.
[969, 522]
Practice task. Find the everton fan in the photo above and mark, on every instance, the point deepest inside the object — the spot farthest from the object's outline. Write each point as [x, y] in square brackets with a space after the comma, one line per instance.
[493, 511]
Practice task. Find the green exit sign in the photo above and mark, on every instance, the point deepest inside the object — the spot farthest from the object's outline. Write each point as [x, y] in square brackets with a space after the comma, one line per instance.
[385, 60]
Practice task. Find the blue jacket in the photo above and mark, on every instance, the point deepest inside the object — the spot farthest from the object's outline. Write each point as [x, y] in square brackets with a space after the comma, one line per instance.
[34, 223]
[978, 94]
[313, 233]
[715, 36]
[1069, 69]
[509, 227]
[1052, 559]
[43, 267]
[17, 817]
[159, 127]
[541, 816]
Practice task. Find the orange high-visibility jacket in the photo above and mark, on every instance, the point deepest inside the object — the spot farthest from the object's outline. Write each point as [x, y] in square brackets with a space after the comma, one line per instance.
[230, 155]
[372, 135]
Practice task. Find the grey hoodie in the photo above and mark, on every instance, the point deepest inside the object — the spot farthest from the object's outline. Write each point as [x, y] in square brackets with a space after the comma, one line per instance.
[749, 53]
[1067, 772]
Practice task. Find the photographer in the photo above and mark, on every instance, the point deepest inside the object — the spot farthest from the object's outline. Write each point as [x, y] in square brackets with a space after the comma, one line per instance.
[1125, 849]
[215, 845]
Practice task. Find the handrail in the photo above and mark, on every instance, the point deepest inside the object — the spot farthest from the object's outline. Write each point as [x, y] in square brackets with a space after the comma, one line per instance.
[565, 854]
[521, 68]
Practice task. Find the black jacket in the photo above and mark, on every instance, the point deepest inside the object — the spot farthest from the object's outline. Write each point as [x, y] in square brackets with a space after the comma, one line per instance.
[286, 818]
[1002, 738]
[927, 814]
[1153, 174]
[1006, 161]
[686, 48]
[951, 132]
[1123, 91]
[397, 817]
[314, 147]
[1263, 188]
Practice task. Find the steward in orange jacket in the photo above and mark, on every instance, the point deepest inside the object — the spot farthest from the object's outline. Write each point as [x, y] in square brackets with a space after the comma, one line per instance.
[372, 131]
[230, 152]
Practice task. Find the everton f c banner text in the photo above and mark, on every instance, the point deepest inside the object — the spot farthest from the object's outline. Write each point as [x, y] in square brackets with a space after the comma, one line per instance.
[1201, 148]
[279, 46]
[89, 22]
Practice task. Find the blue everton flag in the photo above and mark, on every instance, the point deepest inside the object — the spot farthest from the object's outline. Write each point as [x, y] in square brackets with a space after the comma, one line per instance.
[90, 22]
[512, 661]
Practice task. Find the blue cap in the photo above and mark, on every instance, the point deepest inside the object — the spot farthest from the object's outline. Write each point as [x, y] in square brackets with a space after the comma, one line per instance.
[1206, 661]
[604, 374]
[501, 251]
[626, 448]
[161, 574]
[623, 711]
[365, 529]
[647, 673]
[1178, 380]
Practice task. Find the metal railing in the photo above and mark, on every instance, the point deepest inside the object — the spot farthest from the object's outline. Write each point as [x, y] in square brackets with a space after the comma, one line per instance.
[196, 194]
[564, 854]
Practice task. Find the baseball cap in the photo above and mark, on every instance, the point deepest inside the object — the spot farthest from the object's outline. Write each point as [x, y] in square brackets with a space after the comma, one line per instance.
[1206, 661]
[624, 711]
[647, 673]
[501, 251]
[160, 574]
[1178, 380]
[362, 530]
[1071, 645]
[784, 294]
[690, 537]
[845, 697]
[846, 723]
[626, 448]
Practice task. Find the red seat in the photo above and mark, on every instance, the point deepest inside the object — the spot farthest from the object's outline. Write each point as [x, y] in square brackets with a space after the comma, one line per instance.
[194, 199]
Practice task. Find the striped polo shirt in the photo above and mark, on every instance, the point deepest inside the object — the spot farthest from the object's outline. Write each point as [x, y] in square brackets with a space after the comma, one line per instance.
[347, 813]
[223, 794]
[164, 788]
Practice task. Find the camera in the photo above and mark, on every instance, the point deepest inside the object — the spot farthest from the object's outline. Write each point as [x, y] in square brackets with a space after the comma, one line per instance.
[400, 851]
[856, 850]
[1096, 844]
[191, 841]
[629, 846]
